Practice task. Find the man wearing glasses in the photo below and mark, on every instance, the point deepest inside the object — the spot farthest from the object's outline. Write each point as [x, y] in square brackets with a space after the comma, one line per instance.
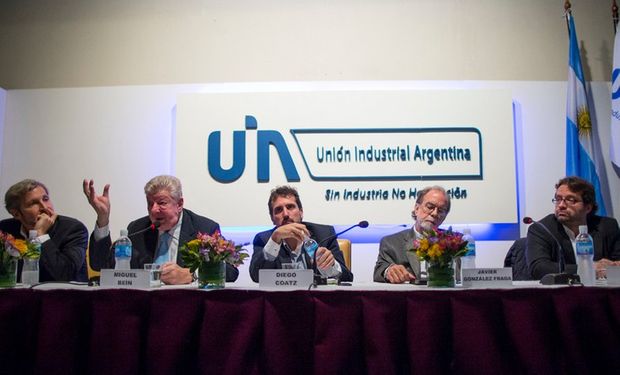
[395, 264]
[575, 205]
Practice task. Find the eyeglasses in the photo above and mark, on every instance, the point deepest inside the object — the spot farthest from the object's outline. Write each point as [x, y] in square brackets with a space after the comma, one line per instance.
[429, 207]
[568, 200]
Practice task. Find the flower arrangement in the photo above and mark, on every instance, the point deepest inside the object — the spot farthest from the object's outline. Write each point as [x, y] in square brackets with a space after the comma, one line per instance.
[17, 248]
[439, 246]
[12, 249]
[213, 248]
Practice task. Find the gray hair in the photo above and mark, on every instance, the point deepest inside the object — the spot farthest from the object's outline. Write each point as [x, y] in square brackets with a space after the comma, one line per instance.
[427, 190]
[15, 194]
[164, 182]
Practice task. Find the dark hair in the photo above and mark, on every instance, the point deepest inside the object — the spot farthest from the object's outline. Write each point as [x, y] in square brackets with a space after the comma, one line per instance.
[283, 191]
[15, 194]
[580, 186]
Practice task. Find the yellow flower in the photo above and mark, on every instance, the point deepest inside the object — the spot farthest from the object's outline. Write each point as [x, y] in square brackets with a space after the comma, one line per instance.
[424, 244]
[21, 246]
[435, 251]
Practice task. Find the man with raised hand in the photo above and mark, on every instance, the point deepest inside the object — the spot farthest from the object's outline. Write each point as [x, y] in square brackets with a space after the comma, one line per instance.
[175, 224]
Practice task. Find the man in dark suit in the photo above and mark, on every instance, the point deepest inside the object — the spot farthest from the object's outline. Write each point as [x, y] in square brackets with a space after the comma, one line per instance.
[395, 263]
[575, 205]
[63, 239]
[177, 225]
[283, 244]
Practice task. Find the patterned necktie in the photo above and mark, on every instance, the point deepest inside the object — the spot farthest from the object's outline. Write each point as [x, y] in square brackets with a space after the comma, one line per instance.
[163, 248]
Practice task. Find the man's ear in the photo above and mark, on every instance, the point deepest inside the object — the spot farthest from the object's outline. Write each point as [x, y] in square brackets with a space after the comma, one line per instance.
[15, 213]
[180, 204]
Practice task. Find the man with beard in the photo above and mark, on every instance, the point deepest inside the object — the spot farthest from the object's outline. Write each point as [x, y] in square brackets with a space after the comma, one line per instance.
[177, 225]
[283, 244]
[395, 263]
[575, 205]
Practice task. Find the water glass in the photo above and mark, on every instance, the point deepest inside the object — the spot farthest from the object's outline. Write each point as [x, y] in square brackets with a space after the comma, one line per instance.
[155, 274]
[30, 272]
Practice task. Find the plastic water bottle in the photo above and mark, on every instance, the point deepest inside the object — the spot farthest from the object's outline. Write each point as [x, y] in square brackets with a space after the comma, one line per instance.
[122, 251]
[468, 261]
[584, 247]
[33, 239]
[30, 268]
[311, 247]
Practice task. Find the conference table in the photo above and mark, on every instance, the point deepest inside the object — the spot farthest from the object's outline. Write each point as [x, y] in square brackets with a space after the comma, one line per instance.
[359, 329]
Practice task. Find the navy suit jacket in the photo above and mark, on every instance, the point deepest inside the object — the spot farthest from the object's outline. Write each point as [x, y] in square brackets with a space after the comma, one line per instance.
[324, 235]
[542, 251]
[144, 244]
[63, 255]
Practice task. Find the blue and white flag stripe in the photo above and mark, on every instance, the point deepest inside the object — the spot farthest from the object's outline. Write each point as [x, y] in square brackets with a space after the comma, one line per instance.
[615, 104]
[579, 143]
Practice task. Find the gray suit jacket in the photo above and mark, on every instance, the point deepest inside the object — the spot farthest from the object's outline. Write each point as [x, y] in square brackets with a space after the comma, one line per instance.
[394, 250]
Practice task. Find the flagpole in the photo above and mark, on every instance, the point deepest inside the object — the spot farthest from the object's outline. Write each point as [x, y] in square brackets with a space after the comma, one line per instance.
[567, 12]
[614, 15]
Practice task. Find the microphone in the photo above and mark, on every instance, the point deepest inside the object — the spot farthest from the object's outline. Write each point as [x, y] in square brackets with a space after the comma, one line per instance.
[153, 226]
[362, 224]
[318, 279]
[562, 277]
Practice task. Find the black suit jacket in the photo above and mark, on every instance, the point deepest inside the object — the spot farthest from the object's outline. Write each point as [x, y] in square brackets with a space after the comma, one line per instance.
[144, 244]
[542, 251]
[318, 232]
[63, 255]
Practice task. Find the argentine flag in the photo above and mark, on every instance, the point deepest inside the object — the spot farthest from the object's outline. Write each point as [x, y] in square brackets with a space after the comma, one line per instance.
[615, 104]
[579, 143]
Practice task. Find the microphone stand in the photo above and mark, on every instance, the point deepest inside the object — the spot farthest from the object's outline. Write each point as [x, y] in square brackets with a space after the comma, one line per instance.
[318, 277]
[562, 277]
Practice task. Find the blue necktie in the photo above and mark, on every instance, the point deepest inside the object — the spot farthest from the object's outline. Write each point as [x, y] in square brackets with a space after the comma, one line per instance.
[163, 248]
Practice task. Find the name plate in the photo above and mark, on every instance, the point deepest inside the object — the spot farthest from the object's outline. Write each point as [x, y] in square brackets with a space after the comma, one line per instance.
[130, 279]
[487, 277]
[285, 279]
[613, 275]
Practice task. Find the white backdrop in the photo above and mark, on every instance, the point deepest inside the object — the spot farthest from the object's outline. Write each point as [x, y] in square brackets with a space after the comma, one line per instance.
[124, 136]
[480, 121]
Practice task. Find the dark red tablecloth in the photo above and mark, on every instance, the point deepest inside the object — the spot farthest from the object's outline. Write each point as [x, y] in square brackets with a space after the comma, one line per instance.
[534, 331]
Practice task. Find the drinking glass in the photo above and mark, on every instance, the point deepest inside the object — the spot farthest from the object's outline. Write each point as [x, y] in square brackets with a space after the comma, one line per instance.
[155, 274]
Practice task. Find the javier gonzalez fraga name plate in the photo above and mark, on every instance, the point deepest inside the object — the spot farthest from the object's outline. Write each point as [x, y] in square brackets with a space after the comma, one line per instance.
[487, 277]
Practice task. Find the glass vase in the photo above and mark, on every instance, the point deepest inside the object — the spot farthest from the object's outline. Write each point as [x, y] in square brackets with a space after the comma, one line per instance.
[212, 275]
[8, 272]
[441, 275]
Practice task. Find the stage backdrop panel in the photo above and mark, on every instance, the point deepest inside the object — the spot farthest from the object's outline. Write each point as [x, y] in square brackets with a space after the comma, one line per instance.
[352, 154]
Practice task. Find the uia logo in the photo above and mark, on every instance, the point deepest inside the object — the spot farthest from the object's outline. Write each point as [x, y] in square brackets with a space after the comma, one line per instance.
[615, 87]
[264, 139]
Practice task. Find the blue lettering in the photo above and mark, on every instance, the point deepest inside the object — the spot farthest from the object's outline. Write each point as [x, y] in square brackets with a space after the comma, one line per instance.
[215, 161]
[273, 138]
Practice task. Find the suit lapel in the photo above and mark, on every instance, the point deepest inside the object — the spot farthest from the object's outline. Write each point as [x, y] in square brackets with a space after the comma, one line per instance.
[412, 258]
[150, 244]
[567, 246]
[188, 232]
